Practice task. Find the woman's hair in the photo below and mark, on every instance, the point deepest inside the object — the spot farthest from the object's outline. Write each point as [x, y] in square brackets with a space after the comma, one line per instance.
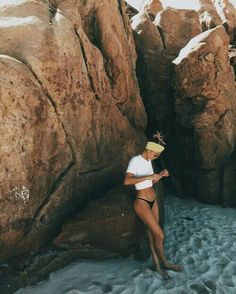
[158, 138]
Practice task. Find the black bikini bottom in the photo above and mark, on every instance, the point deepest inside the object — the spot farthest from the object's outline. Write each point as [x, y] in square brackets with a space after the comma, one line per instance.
[151, 203]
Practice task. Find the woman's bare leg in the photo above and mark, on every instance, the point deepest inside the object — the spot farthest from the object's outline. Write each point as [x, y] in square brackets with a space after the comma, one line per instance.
[155, 257]
[151, 243]
[143, 210]
[165, 264]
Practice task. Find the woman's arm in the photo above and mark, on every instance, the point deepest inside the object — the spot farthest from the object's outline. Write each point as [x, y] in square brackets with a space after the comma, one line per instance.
[163, 173]
[131, 180]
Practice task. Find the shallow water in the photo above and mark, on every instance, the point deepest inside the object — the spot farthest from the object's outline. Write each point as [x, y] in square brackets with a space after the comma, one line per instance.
[200, 237]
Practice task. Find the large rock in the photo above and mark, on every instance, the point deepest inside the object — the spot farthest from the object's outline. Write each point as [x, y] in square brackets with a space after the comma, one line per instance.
[71, 112]
[227, 13]
[108, 227]
[152, 70]
[151, 7]
[205, 118]
[208, 15]
[232, 57]
[158, 43]
[35, 151]
[130, 10]
[184, 25]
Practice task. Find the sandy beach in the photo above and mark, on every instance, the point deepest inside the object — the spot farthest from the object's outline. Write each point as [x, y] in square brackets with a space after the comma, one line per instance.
[200, 237]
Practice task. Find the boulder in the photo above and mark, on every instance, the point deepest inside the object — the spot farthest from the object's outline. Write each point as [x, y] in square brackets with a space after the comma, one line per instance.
[205, 116]
[151, 7]
[208, 15]
[35, 151]
[130, 10]
[232, 57]
[227, 13]
[158, 43]
[71, 110]
[153, 66]
[184, 25]
[108, 227]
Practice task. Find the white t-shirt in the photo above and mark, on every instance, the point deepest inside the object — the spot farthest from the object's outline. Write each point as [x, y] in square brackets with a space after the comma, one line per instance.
[140, 167]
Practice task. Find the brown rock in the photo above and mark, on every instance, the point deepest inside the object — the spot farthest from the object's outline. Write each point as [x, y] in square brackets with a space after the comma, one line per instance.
[152, 7]
[107, 224]
[208, 15]
[205, 114]
[227, 13]
[153, 68]
[117, 47]
[35, 151]
[69, 123]
[130, 10]
[184, 25]
[157, 45]
[232, 56]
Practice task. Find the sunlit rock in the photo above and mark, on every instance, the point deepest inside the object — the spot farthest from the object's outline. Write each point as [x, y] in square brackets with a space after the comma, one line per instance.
[71, 121]
[205, 116]
[209, 17]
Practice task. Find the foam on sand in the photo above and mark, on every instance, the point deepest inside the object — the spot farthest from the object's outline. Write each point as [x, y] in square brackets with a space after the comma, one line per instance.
[200, 237]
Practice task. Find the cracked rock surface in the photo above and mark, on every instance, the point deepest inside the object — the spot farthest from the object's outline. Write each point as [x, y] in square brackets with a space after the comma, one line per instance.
[71, 112]
[205, 117]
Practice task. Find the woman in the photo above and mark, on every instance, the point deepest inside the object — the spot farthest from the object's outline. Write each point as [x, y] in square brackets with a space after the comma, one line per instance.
[140, 173]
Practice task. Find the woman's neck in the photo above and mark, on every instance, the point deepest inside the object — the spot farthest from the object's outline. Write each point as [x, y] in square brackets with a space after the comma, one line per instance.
[144, 154]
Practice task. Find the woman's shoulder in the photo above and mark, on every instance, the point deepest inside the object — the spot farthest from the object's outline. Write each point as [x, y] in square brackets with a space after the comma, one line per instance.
[135, 158]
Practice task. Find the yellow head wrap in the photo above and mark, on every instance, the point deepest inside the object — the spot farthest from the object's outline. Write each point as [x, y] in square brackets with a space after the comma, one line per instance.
[154, 147]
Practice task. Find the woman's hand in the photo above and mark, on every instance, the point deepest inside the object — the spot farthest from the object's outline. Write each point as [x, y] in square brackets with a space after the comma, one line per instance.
[154, 177]
[157, 177]
[164, 173]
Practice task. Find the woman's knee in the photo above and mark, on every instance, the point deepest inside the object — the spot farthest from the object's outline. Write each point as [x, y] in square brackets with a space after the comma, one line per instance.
[159, 237]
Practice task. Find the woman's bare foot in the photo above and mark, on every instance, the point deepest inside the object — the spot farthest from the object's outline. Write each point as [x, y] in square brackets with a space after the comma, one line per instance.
[163, 273]
[173, 267]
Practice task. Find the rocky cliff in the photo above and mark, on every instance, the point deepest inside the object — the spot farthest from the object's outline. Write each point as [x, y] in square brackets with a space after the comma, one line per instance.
[71, 112]
[188, 87]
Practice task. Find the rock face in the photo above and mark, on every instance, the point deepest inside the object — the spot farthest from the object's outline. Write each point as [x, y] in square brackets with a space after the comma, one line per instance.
[184, 25]
[158, 43]
[227, 13]
[107, 227]
[208, 15]
[199, 123]
[205, 119]
[71, 113]
[130, 10]
[218, 12]
[108, 224]
[232, 57]
[151, 7]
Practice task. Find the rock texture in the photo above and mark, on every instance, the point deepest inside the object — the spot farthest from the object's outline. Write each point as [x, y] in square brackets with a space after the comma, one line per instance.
[130, 10]
[213, 13]
[205, 118]
[158, 43]
[199, 123]
[108, 227]
[107, 224]
[71, 113]
[151, 7]
[184, 25]
[208, 15]
[227, 13]
[232, 57]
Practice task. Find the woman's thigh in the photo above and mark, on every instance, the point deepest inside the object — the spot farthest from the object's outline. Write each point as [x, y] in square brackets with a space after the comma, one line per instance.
[146, 214]
[155, 211]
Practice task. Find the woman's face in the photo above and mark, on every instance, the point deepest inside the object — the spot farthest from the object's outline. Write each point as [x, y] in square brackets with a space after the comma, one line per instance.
[153, 155]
